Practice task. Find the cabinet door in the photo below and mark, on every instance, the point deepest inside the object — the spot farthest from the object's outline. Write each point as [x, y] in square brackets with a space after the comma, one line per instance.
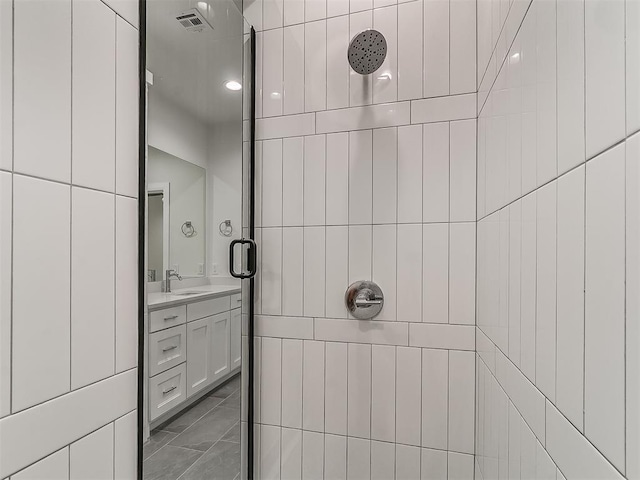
[220, 340]
[236, 328]
[198, 355]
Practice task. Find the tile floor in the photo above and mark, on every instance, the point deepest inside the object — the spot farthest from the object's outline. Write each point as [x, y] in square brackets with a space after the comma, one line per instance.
[203, 443]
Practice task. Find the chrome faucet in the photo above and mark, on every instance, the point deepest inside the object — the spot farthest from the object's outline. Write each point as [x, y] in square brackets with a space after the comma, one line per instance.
[167, 279]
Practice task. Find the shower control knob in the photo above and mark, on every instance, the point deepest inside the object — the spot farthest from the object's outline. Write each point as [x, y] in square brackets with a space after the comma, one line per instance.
[364, 299]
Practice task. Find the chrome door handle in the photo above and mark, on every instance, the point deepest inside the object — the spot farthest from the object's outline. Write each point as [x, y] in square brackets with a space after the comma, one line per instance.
[164, 392]
[172, 347]
[172, 317]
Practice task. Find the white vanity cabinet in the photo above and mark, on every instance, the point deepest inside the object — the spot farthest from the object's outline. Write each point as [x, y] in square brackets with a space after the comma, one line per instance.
[192, 348]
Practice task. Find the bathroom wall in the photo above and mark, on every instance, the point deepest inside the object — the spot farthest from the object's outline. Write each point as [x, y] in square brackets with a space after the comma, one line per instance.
[225, 192]
[68, 223]
[365, 178]
[176, 131]
[558, 246]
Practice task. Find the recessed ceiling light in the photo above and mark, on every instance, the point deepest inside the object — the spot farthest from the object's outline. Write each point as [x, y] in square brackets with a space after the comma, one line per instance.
[233, 85]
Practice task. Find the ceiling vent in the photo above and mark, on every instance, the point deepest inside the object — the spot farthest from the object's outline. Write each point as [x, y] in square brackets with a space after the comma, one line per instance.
[193, 21]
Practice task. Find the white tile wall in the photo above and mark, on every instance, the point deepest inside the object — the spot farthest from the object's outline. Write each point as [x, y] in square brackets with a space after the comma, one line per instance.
[94, 111]
[632, 272]
[44, 326]
[68, 333]
[92, 296]
[605, 259]
[125, 442]
[42, 89]
[605, 74]
[126, 101]
[291, 457]
[126, 309]
[385, 175]
[570, 318]
[54, 467]
[92, 456]
[384, 267]
[292, 181]
[6, 86]
[5, 292]
[551, 399]
[294, 68]
[374, 181]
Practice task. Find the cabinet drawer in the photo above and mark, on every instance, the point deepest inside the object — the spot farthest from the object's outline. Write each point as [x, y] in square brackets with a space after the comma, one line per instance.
[167, 317]
[236, 301]
[207, 308]
[167, 349]
[167, 390]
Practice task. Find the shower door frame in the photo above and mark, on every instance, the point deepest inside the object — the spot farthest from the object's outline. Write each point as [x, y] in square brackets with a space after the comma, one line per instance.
[252, 280]
[142, 179]
[142, 205]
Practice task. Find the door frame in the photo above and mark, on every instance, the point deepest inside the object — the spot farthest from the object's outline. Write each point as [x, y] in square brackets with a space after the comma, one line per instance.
[165, 189]
[142, 205]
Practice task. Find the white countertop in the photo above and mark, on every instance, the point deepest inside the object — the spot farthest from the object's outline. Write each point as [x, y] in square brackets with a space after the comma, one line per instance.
[159, 300]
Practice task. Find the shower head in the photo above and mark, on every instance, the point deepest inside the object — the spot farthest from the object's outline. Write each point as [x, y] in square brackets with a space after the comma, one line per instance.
[367, 51]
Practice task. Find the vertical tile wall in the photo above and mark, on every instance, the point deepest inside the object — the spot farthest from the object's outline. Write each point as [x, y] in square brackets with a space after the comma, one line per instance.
[365, 178]
[68, 238]
[558, 218]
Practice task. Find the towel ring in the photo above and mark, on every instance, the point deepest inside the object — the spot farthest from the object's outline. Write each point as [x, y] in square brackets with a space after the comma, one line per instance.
[188, 230]
[225, 228]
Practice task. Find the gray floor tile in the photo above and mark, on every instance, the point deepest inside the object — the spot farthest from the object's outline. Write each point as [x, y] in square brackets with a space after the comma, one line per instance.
[169, 463]
[233, 435]
[190, 416]
[221, 462]
[228, 388]
[158, 440]
[208, 430]
[232, 401]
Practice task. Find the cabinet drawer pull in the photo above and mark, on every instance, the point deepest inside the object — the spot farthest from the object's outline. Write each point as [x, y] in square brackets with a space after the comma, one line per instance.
[169, 390]
[172, 317]
[172, 347]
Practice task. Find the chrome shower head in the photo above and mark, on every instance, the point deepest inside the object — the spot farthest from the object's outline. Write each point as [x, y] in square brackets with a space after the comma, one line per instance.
[367, 52]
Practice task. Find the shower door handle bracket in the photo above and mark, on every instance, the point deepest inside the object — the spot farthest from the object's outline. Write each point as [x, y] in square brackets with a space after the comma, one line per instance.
[251, 258]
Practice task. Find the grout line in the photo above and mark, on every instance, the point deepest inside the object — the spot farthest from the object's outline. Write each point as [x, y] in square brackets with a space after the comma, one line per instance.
[503, 61]
[547, 402]
[63, 183]
[625, 452]
[535, 190]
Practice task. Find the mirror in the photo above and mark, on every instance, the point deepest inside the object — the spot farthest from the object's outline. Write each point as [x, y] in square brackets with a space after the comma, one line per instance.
[176, 191]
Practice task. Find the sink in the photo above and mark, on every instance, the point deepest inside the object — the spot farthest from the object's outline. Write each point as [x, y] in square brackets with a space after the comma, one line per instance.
[184, 294]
